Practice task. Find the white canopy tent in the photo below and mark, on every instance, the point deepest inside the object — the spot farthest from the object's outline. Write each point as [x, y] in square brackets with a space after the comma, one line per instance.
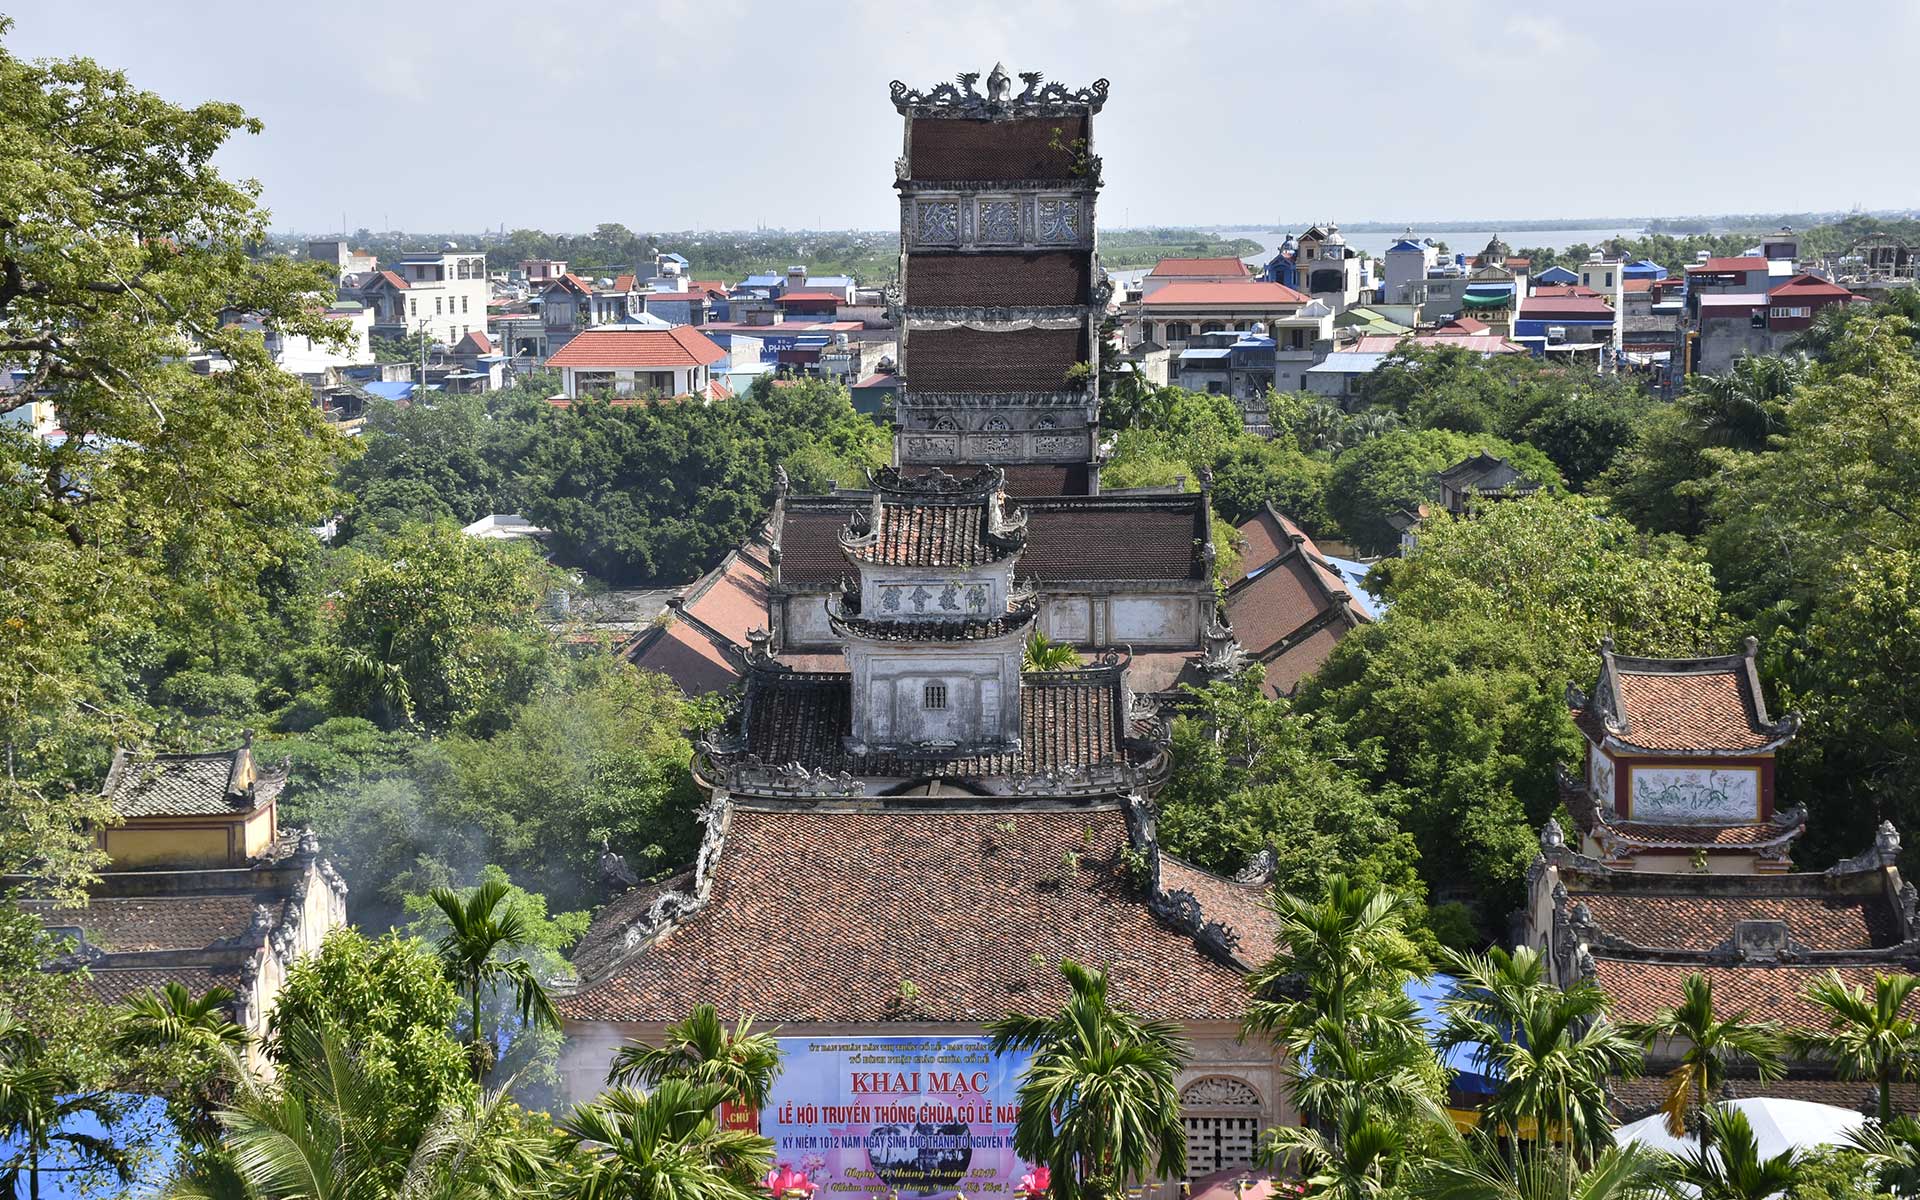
[1778, 1126]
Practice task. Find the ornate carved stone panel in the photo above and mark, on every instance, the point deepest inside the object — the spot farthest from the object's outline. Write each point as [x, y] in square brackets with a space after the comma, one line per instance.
[933, 446]
[999, 223]
[937, 222]
[1057, 445]
[994, 447]
[1059, 221]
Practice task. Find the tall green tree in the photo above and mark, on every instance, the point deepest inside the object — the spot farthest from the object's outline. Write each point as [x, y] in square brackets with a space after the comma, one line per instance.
[1394, 472]
[481, 926]
[325, 1128]
[661, 1145]
[1358, 1065]
[1485, 1170]
[121, 248]
[701, 1049]
[1868, 1033]
[1251, 775]
[45, 1108]
[1552, 1048]
[1098, 1103]
[1727, 1165]
[390, 999]
[441, 630]
[187, 1048]
[1707, 1045]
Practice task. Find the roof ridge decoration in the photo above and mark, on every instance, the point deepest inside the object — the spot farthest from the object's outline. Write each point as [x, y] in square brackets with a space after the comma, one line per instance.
[961, 99]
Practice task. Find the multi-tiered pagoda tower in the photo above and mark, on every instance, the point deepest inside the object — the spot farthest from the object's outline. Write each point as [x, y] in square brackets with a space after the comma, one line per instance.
[1001, 293]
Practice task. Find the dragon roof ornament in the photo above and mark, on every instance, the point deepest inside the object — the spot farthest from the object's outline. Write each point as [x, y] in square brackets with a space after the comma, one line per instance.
[961, 99]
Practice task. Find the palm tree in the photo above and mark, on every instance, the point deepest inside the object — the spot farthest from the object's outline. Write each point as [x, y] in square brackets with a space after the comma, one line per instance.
[1551, 1048]
[1746, 404]
[1372, 1110]
[1867, 1036]
[1098, 1103]
[1349, 947]
[1044, 655]
[322, 1129]
[1731, 1167]
[173, 1022]
[1481, 1170]
[480, 924]
[663, 1145]
[702, 1050]
[1892, 1152]
[39, 1097]
[1712, 1044]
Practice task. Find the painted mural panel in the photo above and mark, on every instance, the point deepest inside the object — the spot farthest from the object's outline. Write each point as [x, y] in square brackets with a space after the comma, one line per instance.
[1684, 794]
[923, 1118]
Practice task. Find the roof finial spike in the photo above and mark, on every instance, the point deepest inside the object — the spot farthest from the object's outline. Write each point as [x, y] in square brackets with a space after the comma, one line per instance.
[1752, 645]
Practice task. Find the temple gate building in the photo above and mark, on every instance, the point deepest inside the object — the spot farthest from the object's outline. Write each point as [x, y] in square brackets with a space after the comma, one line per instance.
[907, 831]
[1679, 865]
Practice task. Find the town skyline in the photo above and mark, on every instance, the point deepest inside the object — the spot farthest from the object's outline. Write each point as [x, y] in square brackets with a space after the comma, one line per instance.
[1373, 113]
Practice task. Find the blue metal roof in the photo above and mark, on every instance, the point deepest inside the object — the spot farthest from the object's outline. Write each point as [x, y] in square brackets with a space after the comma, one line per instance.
[1354, 575]
[1205, 353]
[1556, 274]
[1406, 246]
[390, 391]
[1427, 995]
[1348, 362]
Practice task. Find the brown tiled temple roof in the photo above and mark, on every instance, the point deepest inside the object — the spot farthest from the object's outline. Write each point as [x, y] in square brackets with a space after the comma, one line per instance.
[982, 361]
[1642, 1096]
[1656, 836]
[111, 985]
[908, 531]
[1839, 921]
[1087, 541]
[821, 916]
[1289, 608]
[140, 784]
[1068, 540]
[1048, 277]
[121, 924]
[1239, 906]
[1668, 705]
[1775, 992]
[946, 148]
[1068, 720]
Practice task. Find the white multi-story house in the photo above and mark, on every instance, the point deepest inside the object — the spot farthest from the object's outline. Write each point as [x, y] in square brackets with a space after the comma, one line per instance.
[443, 291]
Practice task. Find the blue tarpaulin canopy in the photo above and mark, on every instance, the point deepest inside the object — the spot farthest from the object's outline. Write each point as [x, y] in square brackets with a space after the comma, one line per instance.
[1470, 1076]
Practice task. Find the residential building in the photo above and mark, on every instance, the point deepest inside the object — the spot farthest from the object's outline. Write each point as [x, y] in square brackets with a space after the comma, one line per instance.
[542, 271]
[1194, 270]
[1233, 364]
[1555, 325]
[1342, 375]
[443, 293]
[1331, 271]
[1174, 313]
[202, 886]
[1727, 325]
[342, 258]
[631, 362]
[1408, 262]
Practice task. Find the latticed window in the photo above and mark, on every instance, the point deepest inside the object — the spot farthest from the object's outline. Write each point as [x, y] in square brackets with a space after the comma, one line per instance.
[1221, 1116]
[935, 696]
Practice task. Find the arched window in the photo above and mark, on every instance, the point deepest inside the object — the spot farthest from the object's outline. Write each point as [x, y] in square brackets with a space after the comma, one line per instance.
[1146, 332]
[1179, 331]
[1222, 1119]
[1212, 327]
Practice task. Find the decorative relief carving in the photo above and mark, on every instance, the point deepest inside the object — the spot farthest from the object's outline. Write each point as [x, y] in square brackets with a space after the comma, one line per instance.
[997, 425]
[1219, 1091]
[993, 447]
[1026, 218]
[938, 221]
[933, 447]
[1058, 443]
[999, 221]
[946, 424]
[995, 319]
[962, 99]
[1060, 399]
[1059, 221]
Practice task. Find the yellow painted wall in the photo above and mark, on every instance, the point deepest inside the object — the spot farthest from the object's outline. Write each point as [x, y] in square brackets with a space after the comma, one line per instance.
[132, 847]
[258, 833]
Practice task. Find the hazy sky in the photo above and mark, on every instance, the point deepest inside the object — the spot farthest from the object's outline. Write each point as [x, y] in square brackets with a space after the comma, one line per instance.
[725, 114]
